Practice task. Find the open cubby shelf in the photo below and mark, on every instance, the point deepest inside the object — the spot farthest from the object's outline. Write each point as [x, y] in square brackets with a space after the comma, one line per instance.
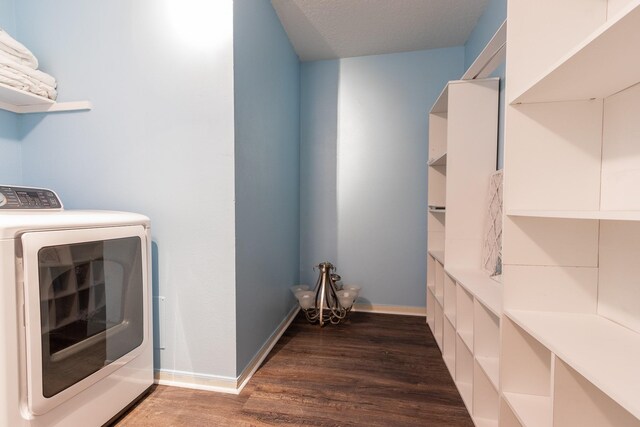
[530, 410]
[613, 367]
[579, 73]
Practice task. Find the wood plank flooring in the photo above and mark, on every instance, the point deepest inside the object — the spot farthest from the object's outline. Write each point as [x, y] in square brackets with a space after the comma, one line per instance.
[374, 370]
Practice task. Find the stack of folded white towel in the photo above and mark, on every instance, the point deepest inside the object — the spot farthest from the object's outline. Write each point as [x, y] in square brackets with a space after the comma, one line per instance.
[19, 69]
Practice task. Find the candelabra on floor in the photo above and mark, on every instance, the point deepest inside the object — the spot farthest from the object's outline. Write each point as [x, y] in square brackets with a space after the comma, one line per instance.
[329, 302]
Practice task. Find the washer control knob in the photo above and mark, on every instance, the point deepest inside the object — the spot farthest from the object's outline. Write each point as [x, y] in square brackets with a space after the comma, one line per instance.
[3, 200]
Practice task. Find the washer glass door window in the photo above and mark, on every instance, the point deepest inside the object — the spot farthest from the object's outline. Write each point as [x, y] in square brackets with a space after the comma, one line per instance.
[85, 311]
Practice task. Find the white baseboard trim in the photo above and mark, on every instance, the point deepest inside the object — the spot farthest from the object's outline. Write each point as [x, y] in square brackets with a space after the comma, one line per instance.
[402, 310]
[257, 360]
[215, 383]
[222, 384]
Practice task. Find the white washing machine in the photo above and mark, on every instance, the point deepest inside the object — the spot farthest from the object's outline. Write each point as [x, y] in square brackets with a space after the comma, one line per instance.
[75, 311]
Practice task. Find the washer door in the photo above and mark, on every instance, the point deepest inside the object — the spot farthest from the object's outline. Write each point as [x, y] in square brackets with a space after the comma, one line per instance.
[85, 308]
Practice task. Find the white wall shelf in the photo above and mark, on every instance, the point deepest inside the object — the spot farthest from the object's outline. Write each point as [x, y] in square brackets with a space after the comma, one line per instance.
[578, 339]
[593, 69]
[597, 215]
[21, 102]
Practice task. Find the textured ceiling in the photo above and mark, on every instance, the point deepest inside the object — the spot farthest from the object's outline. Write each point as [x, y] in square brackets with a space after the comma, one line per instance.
[328, 29]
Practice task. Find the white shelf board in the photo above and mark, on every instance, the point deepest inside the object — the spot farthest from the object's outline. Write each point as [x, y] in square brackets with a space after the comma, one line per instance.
[466, 392]
[531, 410]
[439, 161]
[18, 101]
[491, 56]
[491, 367]
[442, 103]
[21, 98]
[483, 422]
[486, 290]
[440, 299]
[602, 351]
[604, 215]
[438, 255]
[602, 65]
[451, 317]
[467, 339]
[450, 361]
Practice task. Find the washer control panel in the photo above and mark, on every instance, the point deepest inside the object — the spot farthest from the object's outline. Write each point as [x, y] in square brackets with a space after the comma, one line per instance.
[28, 198]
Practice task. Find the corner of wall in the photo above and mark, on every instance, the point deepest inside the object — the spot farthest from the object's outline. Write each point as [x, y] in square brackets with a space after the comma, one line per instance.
[267, 173]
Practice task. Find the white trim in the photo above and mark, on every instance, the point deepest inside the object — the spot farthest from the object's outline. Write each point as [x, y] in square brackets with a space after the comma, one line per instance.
[402, 310]
[196, 381]
[491, 56]
[222, 384]
[257, 360]
[52, 108]
[8, 107]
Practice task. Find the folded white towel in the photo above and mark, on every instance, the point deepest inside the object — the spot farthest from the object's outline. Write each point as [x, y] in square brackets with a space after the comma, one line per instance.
[38, 75]
[17, 50]
[10, 81]
[18, 80]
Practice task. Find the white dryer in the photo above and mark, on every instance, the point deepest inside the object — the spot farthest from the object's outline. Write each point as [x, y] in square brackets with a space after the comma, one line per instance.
[75, 311]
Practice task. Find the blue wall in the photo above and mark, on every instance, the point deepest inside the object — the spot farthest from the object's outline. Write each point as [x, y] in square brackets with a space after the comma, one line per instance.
[267, 110]
[159, 141]
[11, 170]
[318, 165]
[382, 169]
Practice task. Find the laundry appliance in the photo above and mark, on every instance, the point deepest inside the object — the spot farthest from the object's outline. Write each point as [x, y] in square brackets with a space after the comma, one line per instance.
[75, 311]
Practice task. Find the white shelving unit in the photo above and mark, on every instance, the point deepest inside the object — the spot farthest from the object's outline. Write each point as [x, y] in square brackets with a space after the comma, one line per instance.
[464, 305]
[571, 325]
[18, 101]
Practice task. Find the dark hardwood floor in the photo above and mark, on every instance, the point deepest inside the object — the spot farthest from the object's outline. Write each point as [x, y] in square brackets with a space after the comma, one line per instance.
[374, 370]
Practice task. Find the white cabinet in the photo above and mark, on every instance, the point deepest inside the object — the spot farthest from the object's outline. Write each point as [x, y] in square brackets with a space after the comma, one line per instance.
[464, 305]
[571, 323]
